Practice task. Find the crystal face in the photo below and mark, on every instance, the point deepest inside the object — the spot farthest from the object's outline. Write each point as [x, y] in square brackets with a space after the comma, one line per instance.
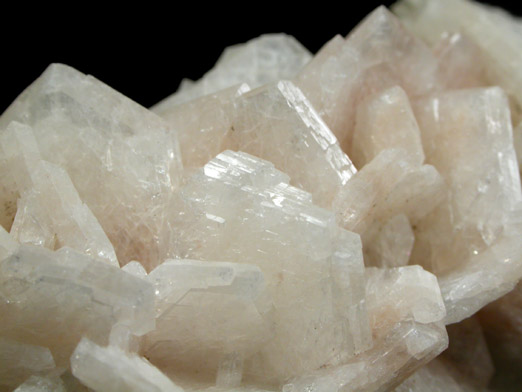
[344, 222]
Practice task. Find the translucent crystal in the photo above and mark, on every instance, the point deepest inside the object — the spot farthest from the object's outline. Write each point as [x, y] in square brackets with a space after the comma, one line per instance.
[42, 384]
[131, 154]
[275, 122]
[391, 245]
[313, 269]
[278, 123]
[460, 62]
[406, 313]
[467, 136]
[202, 124]
[135, 268]
[19, 360]
[494, 31]
[385, 121]
[7, 244]
[111, 369]
[259, 61]
[207, 311]
[50, 213]
[391, 184]
[66, 288]
[377, 54]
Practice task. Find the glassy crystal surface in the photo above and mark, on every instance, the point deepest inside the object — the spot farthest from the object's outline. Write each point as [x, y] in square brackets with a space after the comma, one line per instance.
[468, 137]
[18, 360]
[66, 289]
[229, 244]
[313, 269]
[132, 155]
[262, 60]
[406, 316]
[42, 384]
[378, 53]
[111, 369]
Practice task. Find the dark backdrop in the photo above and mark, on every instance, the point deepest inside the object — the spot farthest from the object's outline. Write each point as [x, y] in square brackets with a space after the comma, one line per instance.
[145, 50]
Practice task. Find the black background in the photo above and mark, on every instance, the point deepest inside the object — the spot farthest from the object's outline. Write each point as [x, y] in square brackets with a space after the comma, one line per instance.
[145, 50]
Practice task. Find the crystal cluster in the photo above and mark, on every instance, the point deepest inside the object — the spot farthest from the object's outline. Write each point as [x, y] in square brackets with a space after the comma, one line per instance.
[349, 221]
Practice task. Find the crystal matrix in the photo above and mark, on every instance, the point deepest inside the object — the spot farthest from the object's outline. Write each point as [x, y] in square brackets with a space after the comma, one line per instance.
[288, 222]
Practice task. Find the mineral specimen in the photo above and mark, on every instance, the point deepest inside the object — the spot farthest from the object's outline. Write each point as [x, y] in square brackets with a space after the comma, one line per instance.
[224, 240]
[117, 154]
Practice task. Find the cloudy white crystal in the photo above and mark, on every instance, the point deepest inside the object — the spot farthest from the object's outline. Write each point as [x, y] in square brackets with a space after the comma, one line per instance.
[132, 155]
[294, 243]
[262, 60]
[68, 288]
[111, 369]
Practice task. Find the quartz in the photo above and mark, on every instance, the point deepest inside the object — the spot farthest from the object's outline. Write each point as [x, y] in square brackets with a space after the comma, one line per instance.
[262, 60]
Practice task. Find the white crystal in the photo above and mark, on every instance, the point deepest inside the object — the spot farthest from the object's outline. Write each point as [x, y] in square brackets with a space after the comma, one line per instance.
[391, 245]
[494, 31]
[111, 369]
[19, 360]
[205, 311]
[202, 124]
[377, 54]
[460, 62]
[468, 137]
[131, 154]
[406, 313]
[51, 213]
[7, 244]
[391, 184]
[275, 122]
[385, 121]
[259, 61]
[135, 268]
[42, 384]
[305, 257]
[66, 288]
[230, 371]
[278, 123]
